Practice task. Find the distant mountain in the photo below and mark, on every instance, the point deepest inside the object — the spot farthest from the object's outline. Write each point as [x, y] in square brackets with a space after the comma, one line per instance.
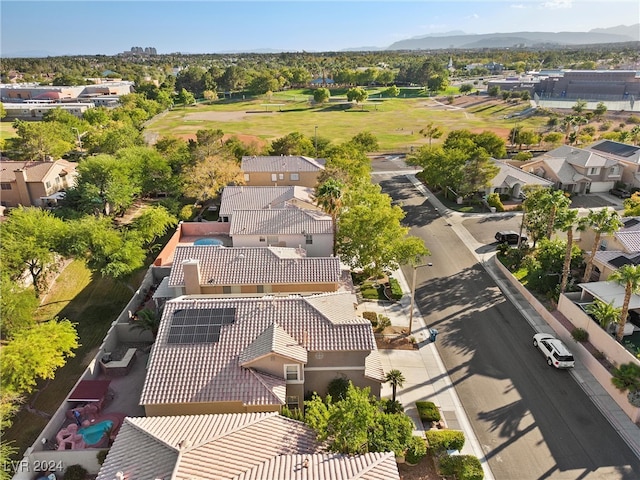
[363, 49]
[29, 54]
[520, 39]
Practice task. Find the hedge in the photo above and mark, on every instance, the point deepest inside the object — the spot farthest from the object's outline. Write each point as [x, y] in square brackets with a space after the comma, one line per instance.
[428, 411]
[416, 449]
[371, 316]
[464, 467]
[441, 440]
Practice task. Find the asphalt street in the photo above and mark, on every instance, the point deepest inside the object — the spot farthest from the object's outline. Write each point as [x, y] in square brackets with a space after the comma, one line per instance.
[532, 421]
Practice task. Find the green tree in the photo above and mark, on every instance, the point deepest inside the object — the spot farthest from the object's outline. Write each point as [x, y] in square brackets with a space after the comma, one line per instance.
[30, 238]
[396, 379]
[629, 277]
[604, 313]
[370, 235]
[321, 95]
[601, 222]
[347, 164]
[293, 143]
[555, 138]
[185, 98]
[36, 353]
[357, 94]
[466, 88]
[431, 131]
[153, 223]
[579, 106]
[39, 140]
[478, 172]
[3, 111]
[206, 179]
[329, 198]
[392, 91]
[566, 220]
[17, 305]
[600, 109]
[210, 95]
[365, 142]
[150, 171]
[627, 377]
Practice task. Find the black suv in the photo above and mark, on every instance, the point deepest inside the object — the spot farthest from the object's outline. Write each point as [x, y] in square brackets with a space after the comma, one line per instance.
[620, 192]
[510, 237]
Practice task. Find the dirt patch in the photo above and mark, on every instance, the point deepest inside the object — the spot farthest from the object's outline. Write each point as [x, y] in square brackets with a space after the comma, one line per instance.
[237, 116]
[424, 470]
[394, 338]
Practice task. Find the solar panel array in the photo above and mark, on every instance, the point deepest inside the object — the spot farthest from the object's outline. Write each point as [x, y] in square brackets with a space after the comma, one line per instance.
[620, 149]
[622, 260]
[632, 222]
[199, 325]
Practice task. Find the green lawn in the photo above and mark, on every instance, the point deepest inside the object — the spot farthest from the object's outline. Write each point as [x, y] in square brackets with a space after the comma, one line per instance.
[395, 122]
[7, 130]
[91, 302]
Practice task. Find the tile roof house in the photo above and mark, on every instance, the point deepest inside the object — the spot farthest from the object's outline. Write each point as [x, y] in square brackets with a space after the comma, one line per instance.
[308, 229]
[510, 180]
[205, 270]
[576, 170]
[35, 183]
[282, 170]
[249, 446]
[237, 355]
[620, 248]
[258, 198]
[627, 155]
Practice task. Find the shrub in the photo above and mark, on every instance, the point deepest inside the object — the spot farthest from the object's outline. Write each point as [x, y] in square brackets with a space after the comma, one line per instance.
[338, 388]
[428, 411]
[580, 335]
[494, 201]
[187, 212]
[75, 472]
[441, 440]
[383, 322]
[464, 467]
[416, 449]
[634, 119]
[101, 455]
[295, 414]
[392, 406]
[523, 156]
[396, 290]
[371, 316]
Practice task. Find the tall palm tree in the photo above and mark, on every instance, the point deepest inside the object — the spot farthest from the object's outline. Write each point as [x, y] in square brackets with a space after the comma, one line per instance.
[396, 379]
[329, 198]
[604, 313]
[566, 220]
[556, 201]
[601, 222]
[629, 276]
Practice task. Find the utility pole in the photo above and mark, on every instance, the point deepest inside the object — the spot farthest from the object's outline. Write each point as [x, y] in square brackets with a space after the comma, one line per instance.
[316, 140]
[413, 293]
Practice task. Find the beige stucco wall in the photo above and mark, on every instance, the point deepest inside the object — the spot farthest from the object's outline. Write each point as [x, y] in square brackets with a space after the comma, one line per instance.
[273, 364]
[263, 179]
[322, 245]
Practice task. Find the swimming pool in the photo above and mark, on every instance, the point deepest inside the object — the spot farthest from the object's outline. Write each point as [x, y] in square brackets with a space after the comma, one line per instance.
[94, 433]
[213, 242]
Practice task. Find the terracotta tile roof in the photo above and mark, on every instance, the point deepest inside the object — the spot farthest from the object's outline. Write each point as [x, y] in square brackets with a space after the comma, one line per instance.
[315, 323]
[203, 446]
[254, 266]
[273, 340]
[36, 171]
[280, 222]
[274, 164]
[257, 198]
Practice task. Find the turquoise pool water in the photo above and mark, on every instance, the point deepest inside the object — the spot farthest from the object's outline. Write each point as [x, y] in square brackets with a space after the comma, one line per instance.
[208, 241]
[94, 433]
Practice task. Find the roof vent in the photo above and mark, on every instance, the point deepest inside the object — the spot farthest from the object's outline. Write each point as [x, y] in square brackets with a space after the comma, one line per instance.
[119, 475]
[184, 444]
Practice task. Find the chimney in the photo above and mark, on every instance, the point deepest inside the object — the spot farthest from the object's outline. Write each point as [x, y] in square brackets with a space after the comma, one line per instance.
[191, 271]
[21, 186]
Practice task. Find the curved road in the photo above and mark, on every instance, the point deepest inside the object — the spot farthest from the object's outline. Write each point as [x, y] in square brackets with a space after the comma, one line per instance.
[532, 421]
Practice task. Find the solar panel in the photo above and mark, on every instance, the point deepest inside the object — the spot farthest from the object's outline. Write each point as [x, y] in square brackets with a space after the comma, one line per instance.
[622, 260]
[199, 325]
[614, 148]
[631, 222]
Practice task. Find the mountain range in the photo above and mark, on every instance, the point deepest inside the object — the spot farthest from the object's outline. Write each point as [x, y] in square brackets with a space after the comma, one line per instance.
[619, 34]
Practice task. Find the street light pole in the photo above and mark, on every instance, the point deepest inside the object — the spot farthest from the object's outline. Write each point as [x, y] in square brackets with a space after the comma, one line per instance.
[316, 140]
[413, 293]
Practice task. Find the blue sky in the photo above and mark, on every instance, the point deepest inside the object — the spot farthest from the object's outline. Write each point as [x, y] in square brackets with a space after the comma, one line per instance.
[109, 27]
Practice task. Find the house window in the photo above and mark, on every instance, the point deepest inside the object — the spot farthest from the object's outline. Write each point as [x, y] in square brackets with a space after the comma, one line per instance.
[5, 186]
[263, 239]
[594, 171]
[272, 240]
[274, 177]
[226, 289]
[281, 176]
[293, 402]
[295, 177]
[246, 177]
[260, 288]
[292, 372]
[308, 239]
[615, 170]
[48, 185]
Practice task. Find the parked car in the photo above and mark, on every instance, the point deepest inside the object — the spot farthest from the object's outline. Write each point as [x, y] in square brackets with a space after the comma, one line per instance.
[620, 192]
[554, 350]
[510, 237]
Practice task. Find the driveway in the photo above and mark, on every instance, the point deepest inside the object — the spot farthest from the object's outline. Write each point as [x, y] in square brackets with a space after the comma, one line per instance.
[595, 200]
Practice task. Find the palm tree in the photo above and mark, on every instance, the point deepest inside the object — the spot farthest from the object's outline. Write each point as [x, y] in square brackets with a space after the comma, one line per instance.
[627, 377]
[604, 313]
[147, 320]
[601, 222]
[396, 379]
[629, 276]
[565, 220]
[556, 201]
[329, 198]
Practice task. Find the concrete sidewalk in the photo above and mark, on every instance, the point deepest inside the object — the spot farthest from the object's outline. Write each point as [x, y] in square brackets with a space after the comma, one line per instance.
[425, 375]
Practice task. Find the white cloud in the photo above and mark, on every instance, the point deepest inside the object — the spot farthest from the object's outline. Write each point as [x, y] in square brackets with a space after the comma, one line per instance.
[518, 6]
[557, 4]
[473, 16]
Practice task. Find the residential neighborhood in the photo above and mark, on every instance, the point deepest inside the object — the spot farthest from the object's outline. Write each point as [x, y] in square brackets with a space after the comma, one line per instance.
[401, 272]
